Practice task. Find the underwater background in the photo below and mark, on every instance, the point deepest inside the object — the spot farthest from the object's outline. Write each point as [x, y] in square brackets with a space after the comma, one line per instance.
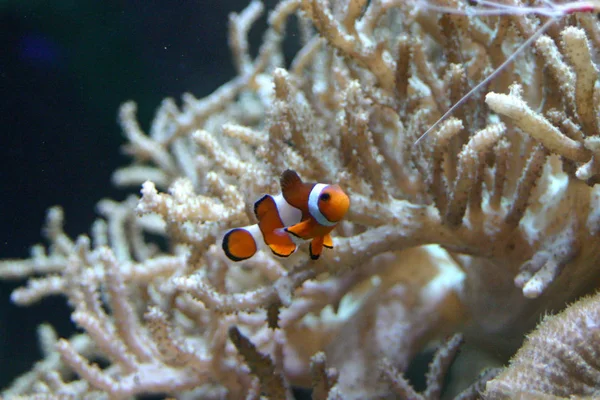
[513, 216]
[65, 68]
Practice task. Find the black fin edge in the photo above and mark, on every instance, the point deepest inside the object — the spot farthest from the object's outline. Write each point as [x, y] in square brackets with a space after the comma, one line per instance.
[292, 233]
[281, 255]
[225, 246]
[312, 256]
[257, 202]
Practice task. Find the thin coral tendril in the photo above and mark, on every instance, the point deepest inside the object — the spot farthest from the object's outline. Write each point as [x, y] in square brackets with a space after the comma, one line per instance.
[488, 79]
[554, 11]
[492, 8]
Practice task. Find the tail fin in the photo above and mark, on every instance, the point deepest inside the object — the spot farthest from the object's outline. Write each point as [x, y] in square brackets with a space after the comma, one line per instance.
[239, 244]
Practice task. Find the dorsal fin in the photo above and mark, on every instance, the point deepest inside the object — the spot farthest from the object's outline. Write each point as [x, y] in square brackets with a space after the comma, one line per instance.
[289, 180]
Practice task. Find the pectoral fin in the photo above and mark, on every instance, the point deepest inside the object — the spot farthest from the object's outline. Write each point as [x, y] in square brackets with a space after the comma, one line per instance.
[302, 229]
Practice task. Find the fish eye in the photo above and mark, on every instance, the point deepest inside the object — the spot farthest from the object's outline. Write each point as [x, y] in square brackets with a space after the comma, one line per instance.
[325, 197]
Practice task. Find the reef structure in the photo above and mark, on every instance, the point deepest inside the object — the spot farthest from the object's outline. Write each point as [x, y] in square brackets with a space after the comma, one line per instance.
[489, 223]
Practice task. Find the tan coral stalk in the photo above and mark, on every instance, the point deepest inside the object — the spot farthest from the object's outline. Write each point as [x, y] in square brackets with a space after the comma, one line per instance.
[536, 126]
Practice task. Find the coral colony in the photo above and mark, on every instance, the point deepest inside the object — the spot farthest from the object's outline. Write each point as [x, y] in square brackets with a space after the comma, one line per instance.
[464, 241]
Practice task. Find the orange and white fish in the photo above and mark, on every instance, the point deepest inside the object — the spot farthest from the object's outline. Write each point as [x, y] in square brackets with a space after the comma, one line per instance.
[307, 211]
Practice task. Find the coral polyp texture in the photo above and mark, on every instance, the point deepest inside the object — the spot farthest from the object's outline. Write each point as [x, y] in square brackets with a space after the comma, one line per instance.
[491, 222]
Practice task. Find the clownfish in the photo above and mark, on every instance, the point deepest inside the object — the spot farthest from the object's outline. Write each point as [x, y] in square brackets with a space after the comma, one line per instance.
[306, 211]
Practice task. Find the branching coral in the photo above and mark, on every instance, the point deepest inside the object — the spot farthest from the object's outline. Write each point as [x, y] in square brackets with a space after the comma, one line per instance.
[484, 226]
[558, 360]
